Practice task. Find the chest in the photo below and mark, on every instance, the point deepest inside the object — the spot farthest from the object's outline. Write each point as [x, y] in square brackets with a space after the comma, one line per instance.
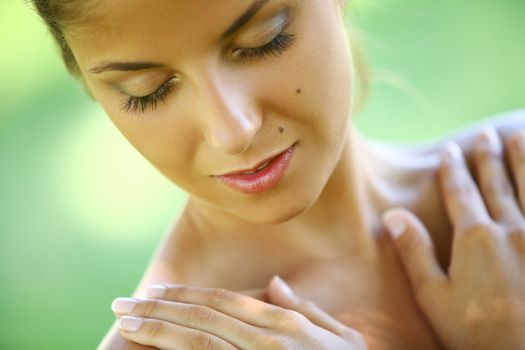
[371, 297]
[368, 293]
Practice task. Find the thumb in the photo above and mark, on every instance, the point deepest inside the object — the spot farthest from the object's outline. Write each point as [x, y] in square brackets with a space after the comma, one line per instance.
[280, 294]
[415, 248]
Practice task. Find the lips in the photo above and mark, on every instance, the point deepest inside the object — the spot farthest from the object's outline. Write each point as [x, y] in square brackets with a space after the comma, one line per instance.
[261, 165]
[262, 177]
[256, 168]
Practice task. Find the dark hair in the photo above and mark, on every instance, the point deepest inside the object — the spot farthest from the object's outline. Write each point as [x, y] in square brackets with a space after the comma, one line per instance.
[57, 14]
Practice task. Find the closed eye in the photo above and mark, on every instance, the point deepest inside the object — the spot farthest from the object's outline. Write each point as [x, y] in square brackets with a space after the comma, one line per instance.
[276, 47]
[136, 104]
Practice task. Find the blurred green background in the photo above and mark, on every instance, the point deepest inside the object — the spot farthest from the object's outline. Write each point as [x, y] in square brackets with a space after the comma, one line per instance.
[81, 211]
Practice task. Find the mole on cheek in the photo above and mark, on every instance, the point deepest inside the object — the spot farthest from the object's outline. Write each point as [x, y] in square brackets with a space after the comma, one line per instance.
[298, 91]
[281, 130]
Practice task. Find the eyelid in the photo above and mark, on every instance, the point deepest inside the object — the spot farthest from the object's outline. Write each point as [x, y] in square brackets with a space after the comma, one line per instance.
[273, 26]
[135, 104]
[278, 23]
[142, 85]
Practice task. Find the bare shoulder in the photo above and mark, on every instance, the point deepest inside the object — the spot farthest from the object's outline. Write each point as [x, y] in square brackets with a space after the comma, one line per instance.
[167, 265]
[506, 124]
[177, 257]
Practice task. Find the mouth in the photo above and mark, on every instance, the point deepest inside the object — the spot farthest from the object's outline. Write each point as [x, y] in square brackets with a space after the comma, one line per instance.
[261, 165]
[262, 177]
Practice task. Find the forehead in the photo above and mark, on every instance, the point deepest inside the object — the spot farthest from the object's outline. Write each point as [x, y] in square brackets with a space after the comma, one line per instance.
[130, 27]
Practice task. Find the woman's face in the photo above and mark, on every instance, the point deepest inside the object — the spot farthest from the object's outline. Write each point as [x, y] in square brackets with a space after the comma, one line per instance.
[213, 94]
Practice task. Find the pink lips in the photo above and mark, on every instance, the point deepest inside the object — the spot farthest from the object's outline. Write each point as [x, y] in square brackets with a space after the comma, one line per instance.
[267, 176]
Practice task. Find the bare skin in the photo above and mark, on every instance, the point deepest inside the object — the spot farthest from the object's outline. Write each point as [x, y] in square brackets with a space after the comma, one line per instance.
[479, 301]
[216, 112]
[365, 289]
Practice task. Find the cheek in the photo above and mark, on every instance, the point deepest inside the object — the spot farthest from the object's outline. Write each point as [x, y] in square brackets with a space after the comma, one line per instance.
[162, 140]
[319, 70]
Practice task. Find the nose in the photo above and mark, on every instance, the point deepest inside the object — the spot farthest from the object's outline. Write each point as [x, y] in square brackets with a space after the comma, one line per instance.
[231, 121]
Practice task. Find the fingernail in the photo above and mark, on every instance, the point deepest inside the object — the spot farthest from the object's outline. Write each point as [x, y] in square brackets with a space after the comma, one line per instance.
[452, 154]
[123, 305]
[130, 324]
[395, 224]
[284, 287]
[156, 291]
[489, 141]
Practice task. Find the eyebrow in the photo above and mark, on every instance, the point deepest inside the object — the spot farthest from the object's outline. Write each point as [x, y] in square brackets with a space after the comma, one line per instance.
[135, 66]
[124, 66]
[244, 18]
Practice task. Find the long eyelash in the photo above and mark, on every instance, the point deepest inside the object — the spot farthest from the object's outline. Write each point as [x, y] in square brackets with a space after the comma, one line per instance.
[134, 104]
[276, 47]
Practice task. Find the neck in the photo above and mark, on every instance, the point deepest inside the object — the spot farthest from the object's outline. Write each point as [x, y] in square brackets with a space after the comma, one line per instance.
[342, 216]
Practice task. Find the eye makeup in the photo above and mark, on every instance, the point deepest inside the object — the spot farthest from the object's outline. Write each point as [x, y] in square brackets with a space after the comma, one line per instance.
[275, 47]
[141, 104]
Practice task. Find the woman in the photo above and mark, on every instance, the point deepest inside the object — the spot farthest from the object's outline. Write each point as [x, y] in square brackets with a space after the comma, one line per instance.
[245, 105]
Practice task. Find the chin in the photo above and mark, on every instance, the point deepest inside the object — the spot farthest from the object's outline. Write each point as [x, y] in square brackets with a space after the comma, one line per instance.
[287, 207]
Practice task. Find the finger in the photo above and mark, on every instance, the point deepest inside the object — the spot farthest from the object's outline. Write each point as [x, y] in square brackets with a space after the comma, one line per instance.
[241, 307]
[196, 317]
[168, 336]
[280, 294]
[256, 293]
[517, 163]
[416, 250]
[459, 191]
[493, 180]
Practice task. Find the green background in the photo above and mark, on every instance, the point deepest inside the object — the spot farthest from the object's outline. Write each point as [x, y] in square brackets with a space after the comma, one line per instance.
[81, 211]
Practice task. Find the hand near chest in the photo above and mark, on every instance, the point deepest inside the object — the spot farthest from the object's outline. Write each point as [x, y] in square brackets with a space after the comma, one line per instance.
[185, 317]
[376, 298]
[479, 303]
[337, 297]
[371, 295]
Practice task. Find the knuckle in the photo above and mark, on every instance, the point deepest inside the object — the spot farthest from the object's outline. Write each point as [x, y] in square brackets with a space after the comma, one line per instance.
[274, 314]
[202, 341]
[150, 308]
[518, 231]
[481, 235]
[154, 331]
[273, 341]
[219, 296]
[199, 314]
[487, 154]
[479, 229]
[517, 237]
[295, 317]
[408, 242]
[497, 187]
[307, 305]
[174, 291]
[459, 184]
[290, 320]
